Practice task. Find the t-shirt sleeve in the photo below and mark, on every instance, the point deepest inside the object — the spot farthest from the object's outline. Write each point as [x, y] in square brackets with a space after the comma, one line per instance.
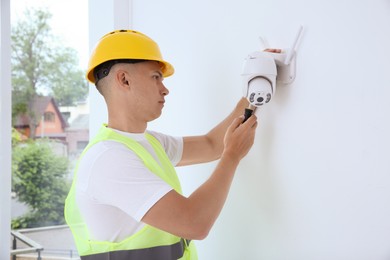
[119, 178]
[172, 145]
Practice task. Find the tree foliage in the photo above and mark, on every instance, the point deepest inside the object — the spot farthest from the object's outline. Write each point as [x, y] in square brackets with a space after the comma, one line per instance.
[39, 180]
[41, 65]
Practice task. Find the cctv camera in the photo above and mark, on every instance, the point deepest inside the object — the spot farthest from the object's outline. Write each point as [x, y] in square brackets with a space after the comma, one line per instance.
[261, 70]
[259, 75]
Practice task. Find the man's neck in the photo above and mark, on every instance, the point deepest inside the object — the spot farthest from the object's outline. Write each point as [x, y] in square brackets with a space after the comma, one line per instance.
[127, 126]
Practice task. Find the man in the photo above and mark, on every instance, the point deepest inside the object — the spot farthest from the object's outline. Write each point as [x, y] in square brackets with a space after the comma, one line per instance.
[126, 201]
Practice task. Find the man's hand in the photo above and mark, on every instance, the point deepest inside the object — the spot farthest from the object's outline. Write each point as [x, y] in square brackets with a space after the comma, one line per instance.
[273, 50]
[239, 138]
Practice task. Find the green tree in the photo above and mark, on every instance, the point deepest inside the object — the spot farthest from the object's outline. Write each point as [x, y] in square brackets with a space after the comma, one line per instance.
[39, 180]
[41, 65]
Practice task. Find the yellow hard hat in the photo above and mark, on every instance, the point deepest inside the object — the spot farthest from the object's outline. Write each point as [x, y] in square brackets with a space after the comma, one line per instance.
[126, 45]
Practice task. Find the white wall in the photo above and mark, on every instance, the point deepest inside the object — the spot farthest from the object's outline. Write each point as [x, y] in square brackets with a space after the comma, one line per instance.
[316, 184]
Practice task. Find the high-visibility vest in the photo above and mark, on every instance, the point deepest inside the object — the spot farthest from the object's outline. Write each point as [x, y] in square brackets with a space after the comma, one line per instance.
[149, 243]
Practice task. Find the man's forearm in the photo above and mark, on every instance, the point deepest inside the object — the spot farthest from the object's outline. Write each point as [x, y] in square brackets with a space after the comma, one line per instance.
[208, 200]
[209, 147]
[205, 203]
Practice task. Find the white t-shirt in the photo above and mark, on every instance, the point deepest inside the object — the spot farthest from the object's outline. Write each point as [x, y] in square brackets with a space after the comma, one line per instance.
[115, 189]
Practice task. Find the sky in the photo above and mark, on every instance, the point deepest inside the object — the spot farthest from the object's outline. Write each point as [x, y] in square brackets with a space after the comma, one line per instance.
[69, 22]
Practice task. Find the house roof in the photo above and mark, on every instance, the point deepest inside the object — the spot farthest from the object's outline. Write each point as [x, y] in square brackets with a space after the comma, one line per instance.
[39, 105]
[80, 122]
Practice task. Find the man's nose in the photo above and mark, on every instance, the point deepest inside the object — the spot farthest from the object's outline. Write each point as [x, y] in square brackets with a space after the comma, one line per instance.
[164, 91]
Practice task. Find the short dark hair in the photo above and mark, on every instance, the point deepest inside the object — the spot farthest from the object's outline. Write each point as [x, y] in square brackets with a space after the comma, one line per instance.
[102, 70]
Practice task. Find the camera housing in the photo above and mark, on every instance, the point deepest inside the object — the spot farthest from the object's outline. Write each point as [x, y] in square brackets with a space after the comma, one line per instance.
[259, 76]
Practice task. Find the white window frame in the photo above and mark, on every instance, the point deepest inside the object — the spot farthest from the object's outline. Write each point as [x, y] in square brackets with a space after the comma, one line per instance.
[5, 129]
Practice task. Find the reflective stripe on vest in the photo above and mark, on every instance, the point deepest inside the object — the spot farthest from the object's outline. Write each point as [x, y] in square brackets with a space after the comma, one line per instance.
[171, 252]
[147, 243]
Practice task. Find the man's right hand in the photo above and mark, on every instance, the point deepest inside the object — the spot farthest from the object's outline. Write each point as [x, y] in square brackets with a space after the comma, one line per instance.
[239, 138]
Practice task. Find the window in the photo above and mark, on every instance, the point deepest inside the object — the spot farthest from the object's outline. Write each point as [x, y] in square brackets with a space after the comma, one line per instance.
[51, 105]
[49, 117]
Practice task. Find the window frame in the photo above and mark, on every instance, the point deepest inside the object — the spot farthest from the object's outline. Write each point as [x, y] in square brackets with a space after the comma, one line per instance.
[5, 130]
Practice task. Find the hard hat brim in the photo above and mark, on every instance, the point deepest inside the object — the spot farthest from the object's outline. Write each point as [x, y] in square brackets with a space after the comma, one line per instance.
[166, 68]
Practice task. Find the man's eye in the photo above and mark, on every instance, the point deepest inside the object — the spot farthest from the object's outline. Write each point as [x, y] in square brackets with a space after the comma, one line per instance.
[158, 77]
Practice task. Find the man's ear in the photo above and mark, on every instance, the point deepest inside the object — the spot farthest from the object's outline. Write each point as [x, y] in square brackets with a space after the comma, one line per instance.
[123, 78]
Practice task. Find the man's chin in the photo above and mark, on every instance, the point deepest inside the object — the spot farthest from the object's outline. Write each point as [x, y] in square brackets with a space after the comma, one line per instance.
[154, 117]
